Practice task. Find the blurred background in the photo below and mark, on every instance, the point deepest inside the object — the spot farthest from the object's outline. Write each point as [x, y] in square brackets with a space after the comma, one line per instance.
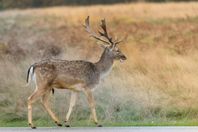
[157, 85]
[4, 4]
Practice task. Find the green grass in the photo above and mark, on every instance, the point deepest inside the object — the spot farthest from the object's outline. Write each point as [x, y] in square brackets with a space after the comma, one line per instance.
[86, 123]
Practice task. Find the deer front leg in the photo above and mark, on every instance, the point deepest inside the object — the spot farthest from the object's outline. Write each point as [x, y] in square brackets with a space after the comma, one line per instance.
[91, 103]
[45, 102]
[71, 105]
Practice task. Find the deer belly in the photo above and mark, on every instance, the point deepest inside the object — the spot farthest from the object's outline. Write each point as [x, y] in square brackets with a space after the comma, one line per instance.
[71, 84]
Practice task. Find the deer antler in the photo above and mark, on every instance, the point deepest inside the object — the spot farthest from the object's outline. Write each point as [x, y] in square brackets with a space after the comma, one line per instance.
[103, 34]
[93, 34]
[119, 41]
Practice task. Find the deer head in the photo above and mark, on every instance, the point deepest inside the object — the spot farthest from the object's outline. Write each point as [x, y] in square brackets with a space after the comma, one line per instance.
[109, 44]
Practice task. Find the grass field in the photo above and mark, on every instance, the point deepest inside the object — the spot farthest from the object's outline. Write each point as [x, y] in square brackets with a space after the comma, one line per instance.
[85, 123]
[157, 85]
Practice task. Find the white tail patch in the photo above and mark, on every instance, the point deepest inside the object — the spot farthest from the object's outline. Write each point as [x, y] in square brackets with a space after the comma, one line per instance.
[31, 76]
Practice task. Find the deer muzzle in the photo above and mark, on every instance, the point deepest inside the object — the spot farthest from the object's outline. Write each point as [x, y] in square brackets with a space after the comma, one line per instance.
[122, 58]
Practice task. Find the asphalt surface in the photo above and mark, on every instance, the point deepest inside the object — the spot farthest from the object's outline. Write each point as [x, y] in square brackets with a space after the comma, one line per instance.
[102, 129]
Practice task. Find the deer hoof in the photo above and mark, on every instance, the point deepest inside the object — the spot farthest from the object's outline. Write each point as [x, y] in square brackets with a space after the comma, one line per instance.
[58, 124]
[66, 125]
[32, 126]
[99, 125]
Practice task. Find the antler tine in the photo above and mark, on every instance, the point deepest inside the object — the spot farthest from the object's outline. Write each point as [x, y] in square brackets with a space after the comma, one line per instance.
[92, 34]
[105, 33]
[119, 41]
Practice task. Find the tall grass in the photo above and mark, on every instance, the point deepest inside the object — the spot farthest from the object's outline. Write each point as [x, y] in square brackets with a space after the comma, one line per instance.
[156, 83]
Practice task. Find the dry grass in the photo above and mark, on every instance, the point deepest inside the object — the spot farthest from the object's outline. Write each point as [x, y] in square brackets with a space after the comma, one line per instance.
[158, 82]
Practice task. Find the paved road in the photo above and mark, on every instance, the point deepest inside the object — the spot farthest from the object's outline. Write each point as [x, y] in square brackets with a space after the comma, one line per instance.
[103, 129]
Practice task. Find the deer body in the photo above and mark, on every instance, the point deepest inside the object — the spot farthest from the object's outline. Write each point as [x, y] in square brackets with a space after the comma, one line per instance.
[64, 74]
[76, 76]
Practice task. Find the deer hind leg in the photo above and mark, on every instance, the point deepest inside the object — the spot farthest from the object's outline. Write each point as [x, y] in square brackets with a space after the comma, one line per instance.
[71, 105]
[33, 98]
[45, 102]
[91, 102]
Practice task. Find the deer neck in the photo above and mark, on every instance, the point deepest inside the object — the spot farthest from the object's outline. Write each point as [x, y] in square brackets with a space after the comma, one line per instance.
[104, 65]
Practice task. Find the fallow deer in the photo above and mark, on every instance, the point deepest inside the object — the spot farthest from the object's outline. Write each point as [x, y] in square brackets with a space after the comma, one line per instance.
[77, 75]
